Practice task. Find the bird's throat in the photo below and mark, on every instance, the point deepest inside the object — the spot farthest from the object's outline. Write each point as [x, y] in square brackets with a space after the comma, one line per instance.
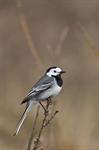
[59, 80]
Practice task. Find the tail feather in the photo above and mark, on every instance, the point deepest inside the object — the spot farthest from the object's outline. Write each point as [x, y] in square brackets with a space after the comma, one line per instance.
[25, 100]
[23, 117]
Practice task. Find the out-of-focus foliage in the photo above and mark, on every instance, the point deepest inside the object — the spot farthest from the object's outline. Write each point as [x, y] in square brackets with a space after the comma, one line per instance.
[58, 40]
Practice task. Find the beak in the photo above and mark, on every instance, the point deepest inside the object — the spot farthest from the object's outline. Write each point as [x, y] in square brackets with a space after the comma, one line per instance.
[63, 72]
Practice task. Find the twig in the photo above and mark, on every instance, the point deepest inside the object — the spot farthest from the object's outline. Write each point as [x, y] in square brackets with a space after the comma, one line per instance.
[51, 118]
[36, 143]
[45, 122]
[33, 129]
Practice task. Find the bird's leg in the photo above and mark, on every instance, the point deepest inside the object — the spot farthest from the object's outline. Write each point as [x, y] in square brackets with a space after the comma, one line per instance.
[43, 106]
[49, 101]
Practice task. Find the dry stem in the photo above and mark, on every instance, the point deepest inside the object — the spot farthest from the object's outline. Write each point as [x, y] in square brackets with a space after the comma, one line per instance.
[45, 122]
[33, 129]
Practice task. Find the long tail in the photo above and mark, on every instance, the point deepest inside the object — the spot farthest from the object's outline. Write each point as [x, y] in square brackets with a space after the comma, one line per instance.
[23, 117]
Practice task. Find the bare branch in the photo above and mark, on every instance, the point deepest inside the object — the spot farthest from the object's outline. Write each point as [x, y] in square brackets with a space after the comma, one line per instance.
[45, 122]
[37, 141]
[33, 129]
[51, 118]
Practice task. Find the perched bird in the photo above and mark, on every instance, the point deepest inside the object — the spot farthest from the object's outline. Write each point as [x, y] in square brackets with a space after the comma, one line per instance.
[48, 86]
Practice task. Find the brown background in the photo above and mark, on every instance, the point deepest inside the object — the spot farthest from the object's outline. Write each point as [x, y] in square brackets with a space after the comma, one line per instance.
[64, 33]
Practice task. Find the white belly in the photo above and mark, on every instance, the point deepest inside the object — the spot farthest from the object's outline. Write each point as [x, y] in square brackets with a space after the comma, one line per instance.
[50, 92]
[56, 90]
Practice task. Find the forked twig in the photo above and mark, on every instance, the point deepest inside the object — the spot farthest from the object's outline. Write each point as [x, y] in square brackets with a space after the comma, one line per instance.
[51, 118]
[45, 122]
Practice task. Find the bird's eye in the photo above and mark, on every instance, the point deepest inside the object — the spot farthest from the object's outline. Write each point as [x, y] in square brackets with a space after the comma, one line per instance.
[54, 71]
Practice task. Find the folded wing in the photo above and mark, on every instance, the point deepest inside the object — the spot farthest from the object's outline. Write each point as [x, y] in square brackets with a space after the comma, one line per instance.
[43, 84]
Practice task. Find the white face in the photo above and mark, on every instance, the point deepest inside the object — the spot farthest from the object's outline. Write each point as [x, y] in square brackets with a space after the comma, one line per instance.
[54, 71]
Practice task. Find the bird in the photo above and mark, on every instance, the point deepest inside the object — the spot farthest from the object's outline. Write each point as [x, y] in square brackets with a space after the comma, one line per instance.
[48, 86]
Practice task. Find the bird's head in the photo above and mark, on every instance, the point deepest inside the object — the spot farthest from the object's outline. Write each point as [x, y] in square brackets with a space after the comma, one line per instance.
[54, 71]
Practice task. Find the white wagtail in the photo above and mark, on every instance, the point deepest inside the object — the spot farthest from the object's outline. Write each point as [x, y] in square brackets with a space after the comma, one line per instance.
[48, 86]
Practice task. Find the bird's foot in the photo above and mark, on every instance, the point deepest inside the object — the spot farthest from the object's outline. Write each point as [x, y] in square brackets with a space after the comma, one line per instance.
[49, 101]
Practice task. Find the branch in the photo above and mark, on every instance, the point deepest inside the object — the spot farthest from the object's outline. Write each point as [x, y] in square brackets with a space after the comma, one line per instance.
[51, 118]
[37, 141]
[45, 122]
[33, 129]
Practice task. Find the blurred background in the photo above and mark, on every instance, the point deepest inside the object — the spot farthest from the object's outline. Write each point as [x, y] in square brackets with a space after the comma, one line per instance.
[35, 35]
